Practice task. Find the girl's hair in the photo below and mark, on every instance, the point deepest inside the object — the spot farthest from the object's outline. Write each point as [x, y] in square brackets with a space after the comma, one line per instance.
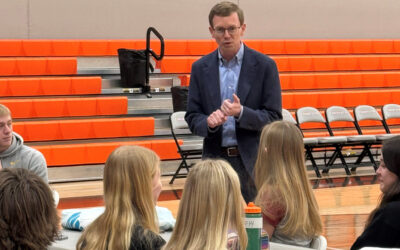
[391, 158]
[211, 204]
[128, 198]
[280, 170]
[28, 216]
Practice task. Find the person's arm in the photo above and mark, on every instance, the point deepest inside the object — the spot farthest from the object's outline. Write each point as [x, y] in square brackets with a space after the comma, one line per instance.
[270, 108]
[199, 122]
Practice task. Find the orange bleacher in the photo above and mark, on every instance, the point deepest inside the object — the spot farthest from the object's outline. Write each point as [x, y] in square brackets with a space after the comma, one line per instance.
[26, 66]
[307, 63]
[85, 128]
[63, 107]
[317, 73]
[97, 153]
[59, 47]
[42, 86]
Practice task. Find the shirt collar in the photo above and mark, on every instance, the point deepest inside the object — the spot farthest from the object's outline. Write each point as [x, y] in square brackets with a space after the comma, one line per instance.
[238, 57]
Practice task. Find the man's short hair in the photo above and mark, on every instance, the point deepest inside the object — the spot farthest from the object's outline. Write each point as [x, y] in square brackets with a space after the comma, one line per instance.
[4, 110]
[224, 9]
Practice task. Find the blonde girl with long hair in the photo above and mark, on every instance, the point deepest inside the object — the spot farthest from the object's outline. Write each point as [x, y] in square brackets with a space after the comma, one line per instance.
[290, 211]
[210, 208]
[131, 188]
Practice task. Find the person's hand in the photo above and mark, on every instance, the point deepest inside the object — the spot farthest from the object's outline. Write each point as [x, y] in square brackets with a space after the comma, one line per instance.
[231, 108]
[216, 119]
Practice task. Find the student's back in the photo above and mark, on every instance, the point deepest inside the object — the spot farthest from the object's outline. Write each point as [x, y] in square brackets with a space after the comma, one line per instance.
[131, 188]
[211, 208]
[289, 208]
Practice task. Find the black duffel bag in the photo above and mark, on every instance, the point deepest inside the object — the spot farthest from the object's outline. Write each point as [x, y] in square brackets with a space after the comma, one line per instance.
[132, 64]
[135, 64]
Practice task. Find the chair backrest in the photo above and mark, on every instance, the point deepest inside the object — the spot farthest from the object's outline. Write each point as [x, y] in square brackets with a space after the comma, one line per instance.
[390, 111]
[366, 112]
[178, 120]
[287, 116]
[338, 113]
[309, 114]
[319, 243]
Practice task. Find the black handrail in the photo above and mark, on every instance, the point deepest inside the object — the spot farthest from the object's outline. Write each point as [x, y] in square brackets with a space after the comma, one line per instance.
[150, 51]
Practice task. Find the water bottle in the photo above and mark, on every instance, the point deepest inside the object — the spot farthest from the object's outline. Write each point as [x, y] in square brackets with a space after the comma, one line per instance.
[253, 223]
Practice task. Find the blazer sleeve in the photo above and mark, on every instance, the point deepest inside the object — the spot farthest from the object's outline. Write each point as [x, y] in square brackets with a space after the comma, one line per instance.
[196, 115]
[270, 107]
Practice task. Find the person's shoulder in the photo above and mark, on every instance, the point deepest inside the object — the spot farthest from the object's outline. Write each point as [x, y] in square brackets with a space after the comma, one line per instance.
[392, 208]
[26, 150]
[390, 214]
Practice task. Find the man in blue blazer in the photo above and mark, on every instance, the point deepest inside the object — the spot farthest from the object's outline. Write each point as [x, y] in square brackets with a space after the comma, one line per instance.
[233, 93]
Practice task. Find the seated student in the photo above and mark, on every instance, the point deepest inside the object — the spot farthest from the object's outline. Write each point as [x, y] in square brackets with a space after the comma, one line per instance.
[383, 225]
[28, 217]
[211, 208]
[290, 211]
[131, 188]
[13, 152]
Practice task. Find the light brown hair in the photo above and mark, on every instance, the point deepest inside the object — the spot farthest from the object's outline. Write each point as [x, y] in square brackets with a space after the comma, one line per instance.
[224, 9]
[280, 170]
[211, 203]
[128, 175]
[28, 216]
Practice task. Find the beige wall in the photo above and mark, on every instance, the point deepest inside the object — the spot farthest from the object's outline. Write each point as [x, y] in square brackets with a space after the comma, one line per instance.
[187, 19]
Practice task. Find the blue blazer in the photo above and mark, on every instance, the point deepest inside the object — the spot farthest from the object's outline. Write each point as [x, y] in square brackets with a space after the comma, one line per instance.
[259, 91]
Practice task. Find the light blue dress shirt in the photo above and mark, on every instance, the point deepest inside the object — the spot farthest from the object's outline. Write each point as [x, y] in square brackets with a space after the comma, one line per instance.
[228, 81]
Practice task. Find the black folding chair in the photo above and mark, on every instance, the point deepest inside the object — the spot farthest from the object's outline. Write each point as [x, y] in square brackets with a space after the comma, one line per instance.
[312, 115]
[341, 114]
[309, 143]
[191, 149]
[369, 113]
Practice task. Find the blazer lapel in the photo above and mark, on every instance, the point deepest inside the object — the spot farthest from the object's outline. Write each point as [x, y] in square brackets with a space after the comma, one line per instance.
[211, 73]
[247, 75]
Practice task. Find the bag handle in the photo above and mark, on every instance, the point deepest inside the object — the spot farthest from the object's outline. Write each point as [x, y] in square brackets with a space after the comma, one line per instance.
[150, 51]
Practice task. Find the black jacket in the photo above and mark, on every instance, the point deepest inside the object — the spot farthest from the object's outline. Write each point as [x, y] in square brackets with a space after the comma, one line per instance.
[384, 229]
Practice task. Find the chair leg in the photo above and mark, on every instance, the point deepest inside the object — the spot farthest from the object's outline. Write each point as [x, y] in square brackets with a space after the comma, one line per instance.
[361, 156]
[371, 157]
[332, 159]
[182, 165]
[314, 164]
[346, 168]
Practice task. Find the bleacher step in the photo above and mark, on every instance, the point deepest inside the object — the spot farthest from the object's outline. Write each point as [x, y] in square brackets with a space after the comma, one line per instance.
[157, 84]
[95, 172]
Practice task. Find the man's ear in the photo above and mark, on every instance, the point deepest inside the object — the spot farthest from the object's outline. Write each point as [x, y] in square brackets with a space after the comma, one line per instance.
[243, 29]
[211, 31]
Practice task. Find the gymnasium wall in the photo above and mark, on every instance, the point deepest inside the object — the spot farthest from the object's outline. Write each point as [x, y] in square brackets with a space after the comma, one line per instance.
[187, 19]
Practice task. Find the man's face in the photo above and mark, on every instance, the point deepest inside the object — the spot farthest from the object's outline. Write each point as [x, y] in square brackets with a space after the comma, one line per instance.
[5, 132]
[227, 32]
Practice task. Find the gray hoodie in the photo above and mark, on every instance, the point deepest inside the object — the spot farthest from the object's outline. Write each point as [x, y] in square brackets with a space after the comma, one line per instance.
[20, 156]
